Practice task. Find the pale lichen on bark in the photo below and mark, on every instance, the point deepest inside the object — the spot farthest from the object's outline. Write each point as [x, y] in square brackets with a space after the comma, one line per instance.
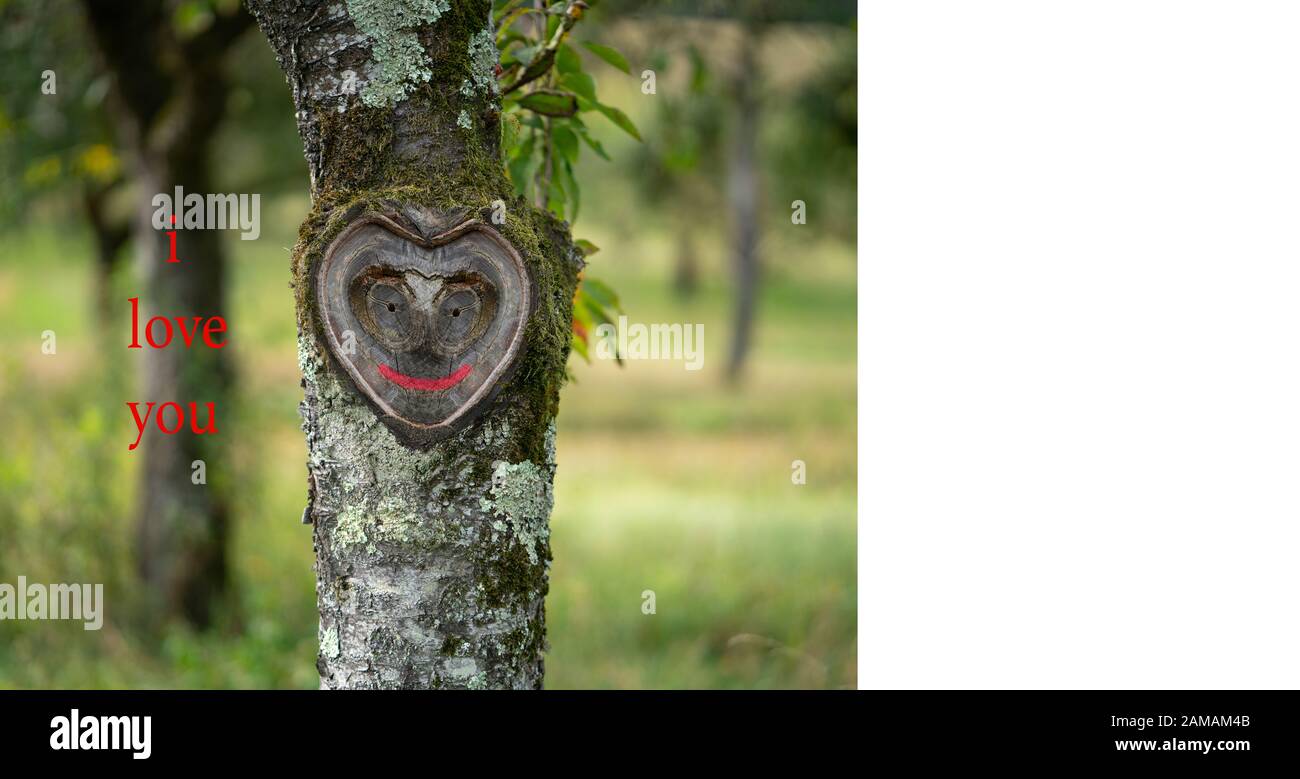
[399, 61]
[482, 65]
[521, 494]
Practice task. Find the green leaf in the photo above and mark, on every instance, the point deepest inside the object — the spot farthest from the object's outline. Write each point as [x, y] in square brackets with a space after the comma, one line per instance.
[509, 132]
[550, 102]
[524, 150]
[580, 84]
[592, 142]
[588, 309]
[619, 118]
[593, 311]
[566, 142]
[521, 165]
[610, 55]
[523, 55]
[533, 121]
[580, 347]
[557, 193]
[571, 187]
[601, 292]
[586, 247]
[581, 314]
[508, 8]
[567, 59]
[510, 18]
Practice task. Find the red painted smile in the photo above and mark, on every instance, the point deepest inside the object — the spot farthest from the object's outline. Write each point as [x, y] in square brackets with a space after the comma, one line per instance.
[416, 383]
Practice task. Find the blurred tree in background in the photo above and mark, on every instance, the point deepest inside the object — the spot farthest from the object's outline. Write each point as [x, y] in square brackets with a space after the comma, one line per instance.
[150, 114]
[167, 96]
[55, 138]
[682, 161]
[710, 126]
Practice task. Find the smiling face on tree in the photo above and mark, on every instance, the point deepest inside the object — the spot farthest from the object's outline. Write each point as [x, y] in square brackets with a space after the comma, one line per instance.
[428, 328]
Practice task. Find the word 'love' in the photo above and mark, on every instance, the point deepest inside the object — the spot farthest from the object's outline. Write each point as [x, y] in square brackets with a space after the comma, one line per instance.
[210, 327]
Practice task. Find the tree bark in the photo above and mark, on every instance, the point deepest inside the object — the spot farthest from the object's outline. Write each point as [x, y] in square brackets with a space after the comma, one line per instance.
[168, 97]
[431, 558]
[743, 192]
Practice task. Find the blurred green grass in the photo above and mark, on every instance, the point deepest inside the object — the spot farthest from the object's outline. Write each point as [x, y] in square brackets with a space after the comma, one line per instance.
[668, 480]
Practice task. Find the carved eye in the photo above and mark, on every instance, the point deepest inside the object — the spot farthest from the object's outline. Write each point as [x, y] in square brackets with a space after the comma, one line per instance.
[385, 306]
[462, 311]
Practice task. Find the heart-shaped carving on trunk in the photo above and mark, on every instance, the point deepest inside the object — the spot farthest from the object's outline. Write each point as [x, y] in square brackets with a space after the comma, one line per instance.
[428, 326]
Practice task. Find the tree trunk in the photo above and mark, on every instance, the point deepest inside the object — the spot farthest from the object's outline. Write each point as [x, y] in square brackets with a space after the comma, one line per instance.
[168, 96]
[110, 236]
[743, 190]
[432, 549]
